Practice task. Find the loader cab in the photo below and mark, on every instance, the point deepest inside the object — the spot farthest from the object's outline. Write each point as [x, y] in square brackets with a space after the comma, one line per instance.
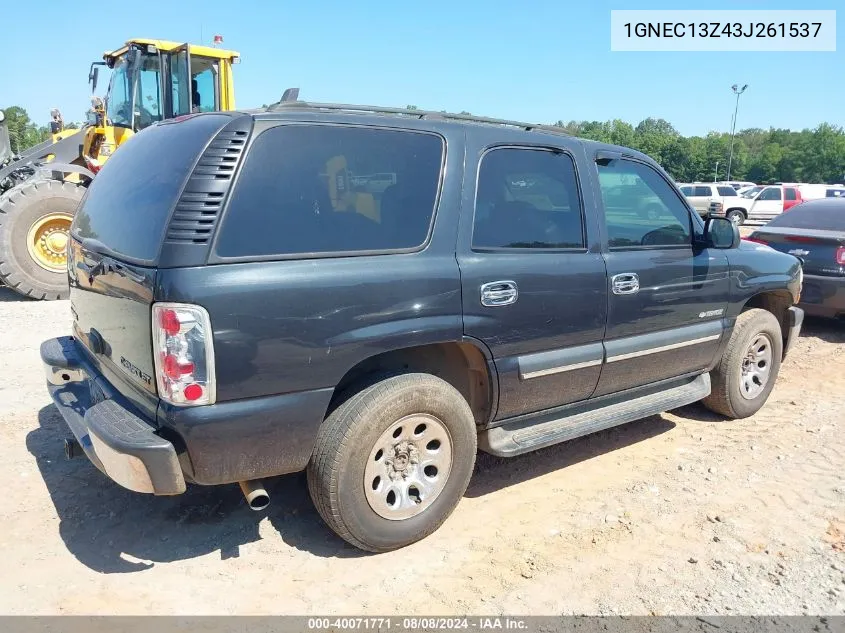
[154, 80]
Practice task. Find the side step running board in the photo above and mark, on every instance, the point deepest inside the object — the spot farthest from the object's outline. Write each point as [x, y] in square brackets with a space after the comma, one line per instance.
[522, 437]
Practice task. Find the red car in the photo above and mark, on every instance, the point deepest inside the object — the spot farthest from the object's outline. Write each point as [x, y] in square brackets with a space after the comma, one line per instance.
[791, 197]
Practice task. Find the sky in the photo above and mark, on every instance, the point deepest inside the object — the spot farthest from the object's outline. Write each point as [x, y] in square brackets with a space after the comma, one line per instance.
[536, 60]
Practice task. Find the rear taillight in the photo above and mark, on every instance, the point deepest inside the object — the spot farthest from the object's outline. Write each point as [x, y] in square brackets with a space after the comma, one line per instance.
[840, 255]
[184, 354]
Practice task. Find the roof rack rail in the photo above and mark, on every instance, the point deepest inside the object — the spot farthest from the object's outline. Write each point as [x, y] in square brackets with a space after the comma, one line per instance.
[419, 114]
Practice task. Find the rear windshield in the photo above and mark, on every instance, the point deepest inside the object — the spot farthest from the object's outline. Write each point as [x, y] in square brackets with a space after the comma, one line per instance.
[826, 215]
[335, 189]
[128, 204]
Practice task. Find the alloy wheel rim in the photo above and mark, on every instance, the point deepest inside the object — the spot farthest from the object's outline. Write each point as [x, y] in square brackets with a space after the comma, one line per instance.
[408, 467]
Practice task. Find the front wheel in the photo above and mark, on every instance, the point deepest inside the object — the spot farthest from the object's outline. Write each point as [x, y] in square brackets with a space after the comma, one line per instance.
[736, 216]
[392, 462]
[748, 369]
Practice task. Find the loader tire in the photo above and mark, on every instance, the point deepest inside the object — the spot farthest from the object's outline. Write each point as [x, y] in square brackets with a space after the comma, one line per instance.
[34, 229]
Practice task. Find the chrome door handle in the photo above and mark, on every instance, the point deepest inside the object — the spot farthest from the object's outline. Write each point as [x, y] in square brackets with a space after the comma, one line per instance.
[499, 293]
[625, 283]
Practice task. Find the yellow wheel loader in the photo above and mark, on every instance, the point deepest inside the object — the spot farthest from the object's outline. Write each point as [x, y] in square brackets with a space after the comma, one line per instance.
[151, 80]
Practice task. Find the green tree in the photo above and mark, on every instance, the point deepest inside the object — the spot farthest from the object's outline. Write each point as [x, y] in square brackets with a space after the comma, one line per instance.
[773, 155]
[23, 133]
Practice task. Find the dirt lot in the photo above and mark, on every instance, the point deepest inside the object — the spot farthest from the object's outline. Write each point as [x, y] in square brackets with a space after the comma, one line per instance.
[681, 513]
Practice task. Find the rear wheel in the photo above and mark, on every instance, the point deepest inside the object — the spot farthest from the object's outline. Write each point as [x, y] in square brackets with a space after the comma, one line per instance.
[392, 462]
[35, 220]
[748, 369]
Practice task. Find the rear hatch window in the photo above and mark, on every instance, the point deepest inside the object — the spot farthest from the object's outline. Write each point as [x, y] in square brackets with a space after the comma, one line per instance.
[128, 204]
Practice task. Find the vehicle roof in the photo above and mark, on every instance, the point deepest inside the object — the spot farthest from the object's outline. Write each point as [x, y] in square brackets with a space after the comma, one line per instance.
[167, 45]
[825, 202]
[500, 130]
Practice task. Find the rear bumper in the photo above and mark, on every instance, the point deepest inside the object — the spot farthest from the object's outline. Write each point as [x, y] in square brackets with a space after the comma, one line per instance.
[120, 443]
[794, 320]
[823, 296]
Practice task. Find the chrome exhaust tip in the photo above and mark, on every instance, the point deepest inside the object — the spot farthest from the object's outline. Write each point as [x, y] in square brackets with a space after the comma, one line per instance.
[255, 494]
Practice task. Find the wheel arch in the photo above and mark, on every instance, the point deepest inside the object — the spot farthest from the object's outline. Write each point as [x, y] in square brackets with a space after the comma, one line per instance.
[775, 301]
[742, 210]
[465, 364]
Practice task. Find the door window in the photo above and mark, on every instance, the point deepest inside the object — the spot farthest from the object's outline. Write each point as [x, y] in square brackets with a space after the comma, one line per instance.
[702, 191]
[772, 193]
[687, 190]
[641, 208]
[789, 193]
[179, 84]
[527, 198]
[148, 101]
[204, 96]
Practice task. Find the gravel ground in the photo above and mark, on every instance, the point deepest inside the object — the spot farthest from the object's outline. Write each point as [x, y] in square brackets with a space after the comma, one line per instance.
[681, 513]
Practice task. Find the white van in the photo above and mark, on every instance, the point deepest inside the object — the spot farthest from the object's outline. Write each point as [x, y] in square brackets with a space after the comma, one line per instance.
[816, 191]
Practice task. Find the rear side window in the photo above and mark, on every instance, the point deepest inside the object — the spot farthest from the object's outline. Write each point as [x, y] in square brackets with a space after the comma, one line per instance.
[333, 189]
[527, 198]
[686, 190]
[128, 204]
[726, 191]
[701, 191]
[789, 193]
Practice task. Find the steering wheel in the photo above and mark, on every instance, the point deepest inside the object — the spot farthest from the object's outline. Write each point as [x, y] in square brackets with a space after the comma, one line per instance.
[145, 117]
[670, 235]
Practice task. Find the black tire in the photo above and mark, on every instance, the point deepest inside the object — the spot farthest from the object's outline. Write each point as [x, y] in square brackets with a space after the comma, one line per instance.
[726, 396]
[347, 438]
[737, 216]
[20, 208]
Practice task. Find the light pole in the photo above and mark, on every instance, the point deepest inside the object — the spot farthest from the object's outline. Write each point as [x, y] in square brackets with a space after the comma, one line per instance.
[737, 91]
[716, 173]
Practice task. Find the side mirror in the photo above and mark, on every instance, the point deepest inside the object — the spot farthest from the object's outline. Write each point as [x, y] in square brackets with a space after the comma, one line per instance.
[721, 233]
[95, 74]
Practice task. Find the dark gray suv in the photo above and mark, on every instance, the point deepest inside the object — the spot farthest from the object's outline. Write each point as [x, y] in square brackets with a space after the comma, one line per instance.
[373, 294]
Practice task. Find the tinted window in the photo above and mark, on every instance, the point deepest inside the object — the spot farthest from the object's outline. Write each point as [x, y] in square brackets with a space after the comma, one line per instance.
[647, 212]
[527, 199]
[726, 191]
[772, 193]
[789, 194]
[701, 191]
[332, 189]
[128, 204]
[686, 190]
[835, 193]
[823, 214]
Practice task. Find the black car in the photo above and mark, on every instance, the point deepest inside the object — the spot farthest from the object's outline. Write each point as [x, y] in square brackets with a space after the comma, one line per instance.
[371, 294]
[813, 231]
